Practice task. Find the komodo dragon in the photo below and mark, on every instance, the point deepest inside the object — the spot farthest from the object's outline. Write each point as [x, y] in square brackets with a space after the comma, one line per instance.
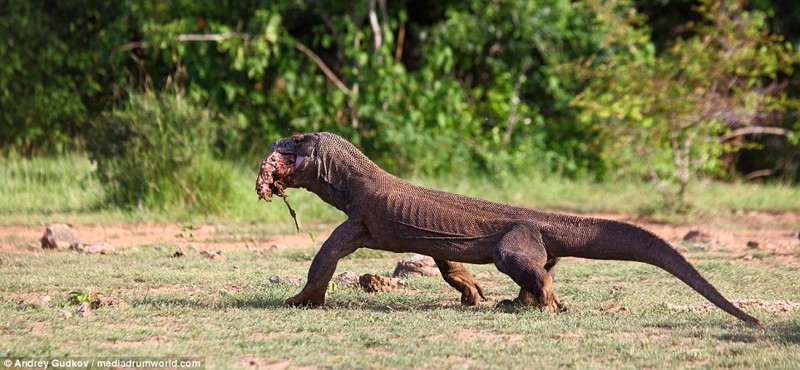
[387, 213]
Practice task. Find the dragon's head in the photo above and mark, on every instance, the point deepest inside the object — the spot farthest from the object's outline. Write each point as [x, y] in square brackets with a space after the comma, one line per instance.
[323, 163]
[287, 165]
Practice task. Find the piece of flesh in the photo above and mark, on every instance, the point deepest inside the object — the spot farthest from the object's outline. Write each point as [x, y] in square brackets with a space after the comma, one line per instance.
[274, 168]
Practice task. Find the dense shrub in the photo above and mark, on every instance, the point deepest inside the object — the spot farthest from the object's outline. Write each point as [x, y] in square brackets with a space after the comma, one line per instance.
[424, 87]
[157, 150]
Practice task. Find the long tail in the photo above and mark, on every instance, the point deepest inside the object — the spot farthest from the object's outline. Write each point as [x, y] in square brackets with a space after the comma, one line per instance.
[570, 236]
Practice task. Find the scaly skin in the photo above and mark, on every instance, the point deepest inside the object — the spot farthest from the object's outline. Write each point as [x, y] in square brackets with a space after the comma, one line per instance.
[388, 213]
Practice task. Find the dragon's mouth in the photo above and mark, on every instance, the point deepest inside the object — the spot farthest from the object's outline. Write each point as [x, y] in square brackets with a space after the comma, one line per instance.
[275, 169]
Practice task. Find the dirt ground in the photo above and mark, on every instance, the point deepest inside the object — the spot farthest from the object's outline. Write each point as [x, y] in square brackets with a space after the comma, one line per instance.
[202, 237]
[750, 236]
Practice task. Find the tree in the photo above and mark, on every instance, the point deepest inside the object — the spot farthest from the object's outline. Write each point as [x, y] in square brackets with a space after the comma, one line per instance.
[671, 115]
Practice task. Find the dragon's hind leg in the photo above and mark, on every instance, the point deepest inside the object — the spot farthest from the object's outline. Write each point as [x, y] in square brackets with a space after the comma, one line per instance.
[458, 277]
[522, 256]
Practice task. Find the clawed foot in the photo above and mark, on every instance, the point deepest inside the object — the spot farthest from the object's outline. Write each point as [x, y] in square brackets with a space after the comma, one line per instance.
[472, 293]
[458, 277]
[552, 305]
[304, 300]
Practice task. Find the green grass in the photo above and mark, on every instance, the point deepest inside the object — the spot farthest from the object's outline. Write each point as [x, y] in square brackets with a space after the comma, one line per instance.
[39, 190]
[230, 314]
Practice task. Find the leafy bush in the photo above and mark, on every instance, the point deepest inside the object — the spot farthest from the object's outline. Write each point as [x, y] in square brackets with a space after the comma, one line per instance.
[424, 87]
[157, 151]
[55, 76]
[671, 115]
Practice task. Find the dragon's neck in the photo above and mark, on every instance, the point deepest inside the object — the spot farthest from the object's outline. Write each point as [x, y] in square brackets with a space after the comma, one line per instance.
[342, 169]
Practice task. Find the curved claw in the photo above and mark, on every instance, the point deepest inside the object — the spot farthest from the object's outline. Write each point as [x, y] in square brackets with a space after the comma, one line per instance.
[472, 293]
[552, 304]
[458, 277]
[301, 300]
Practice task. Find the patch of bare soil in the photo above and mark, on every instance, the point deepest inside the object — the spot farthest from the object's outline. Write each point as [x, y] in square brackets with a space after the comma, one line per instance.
[265, 336]
[151, 341]
[252, 362]
[752, 237]
[488, 335]
[100, 301]
[779, 306]
[212, 237]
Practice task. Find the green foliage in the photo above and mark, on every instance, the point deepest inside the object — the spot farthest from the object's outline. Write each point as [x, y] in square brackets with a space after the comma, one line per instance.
[78, 297]
[507, 53]
[665, 114]
[157, 151]
[55, 74]
[422, 87]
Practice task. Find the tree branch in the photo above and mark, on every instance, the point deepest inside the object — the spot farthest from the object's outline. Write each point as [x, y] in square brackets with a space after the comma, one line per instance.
[322, 66]
[376, 28]
[214, 37]
[217, 37]
[401, 39]
[755, 130]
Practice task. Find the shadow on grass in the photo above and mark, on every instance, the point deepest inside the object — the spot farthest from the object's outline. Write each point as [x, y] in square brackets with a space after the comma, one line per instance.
[222, 302]
[274, 302]
[786, 332]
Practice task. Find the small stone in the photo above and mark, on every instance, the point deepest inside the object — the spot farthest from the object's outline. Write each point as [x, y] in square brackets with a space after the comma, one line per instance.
[346, 278]
[748, 257]
[60, 236]
[83, 310]
[285, 279]
[374, 283]
[416, 265]
[96, 248]
[752, 244]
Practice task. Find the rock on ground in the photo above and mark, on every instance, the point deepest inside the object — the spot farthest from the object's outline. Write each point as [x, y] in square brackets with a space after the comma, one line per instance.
[374, 283]
[60, 236]
[346, 278]
[416, 265]
[83, 310]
